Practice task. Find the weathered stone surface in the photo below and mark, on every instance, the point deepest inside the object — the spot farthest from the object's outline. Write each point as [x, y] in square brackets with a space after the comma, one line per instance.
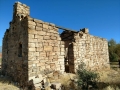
[32, 31]
[38, 28]
[45, 26]
[85, 30]
[56, 85]
[33, 48]
[31, 23]
[32, 45]
[31, 27]
[46, 37]
[48, 48]
[37, 21]
[39, 24]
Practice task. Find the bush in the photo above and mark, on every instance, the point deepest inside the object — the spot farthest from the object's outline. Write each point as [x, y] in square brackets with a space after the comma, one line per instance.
[113, 57]
[86, 78]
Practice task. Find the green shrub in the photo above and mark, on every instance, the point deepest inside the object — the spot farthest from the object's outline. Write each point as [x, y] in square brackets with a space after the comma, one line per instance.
[86, 77]
[113, 57]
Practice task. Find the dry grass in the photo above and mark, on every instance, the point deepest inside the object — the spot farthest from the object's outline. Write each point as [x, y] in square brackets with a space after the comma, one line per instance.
[5, 84]
[109, 76]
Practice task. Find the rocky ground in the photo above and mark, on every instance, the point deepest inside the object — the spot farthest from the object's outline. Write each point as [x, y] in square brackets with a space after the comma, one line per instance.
[109, 80]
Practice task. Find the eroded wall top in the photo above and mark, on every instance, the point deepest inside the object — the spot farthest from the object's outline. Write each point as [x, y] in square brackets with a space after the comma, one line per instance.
[21, 10]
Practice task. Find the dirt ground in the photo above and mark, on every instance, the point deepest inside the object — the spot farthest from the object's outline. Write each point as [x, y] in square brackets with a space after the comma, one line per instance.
[111, 77]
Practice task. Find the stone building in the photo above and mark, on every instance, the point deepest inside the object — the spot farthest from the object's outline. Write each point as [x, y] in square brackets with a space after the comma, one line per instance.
[32, 47]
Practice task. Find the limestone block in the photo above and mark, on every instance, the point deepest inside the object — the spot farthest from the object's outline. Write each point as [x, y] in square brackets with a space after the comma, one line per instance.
[62, 46]
[39, 49]
[52, 31]
[31, 53]
[46, 37]
[55, 57]
[32, 31]
[39, 24]
[40, 38]
[50, 27]
[62, 49]
[31, 27]
[38, 28]
[61, 57]
[52, 53]
[52, 65]
[37, 45]
[50, 57]
[43, 54]
[62, 53]
[31, 49]
[58, 38]
[36, 61]
[38, 21]
[62, 43]
[37, 86]
[31, 58]
[53, 37]
[46, 58]
[31, 23]
[45, 30]
[36, 80]
[61, 62]
[33, 40]
[37, 53]
[58, 68]
[62, 67]
[47, 66]
[41, 33]
[31, 45]
[43, 67]
[48, 54]
[45, 26]
[36, 36]
[48, 48]
[40, 64]
[30, 36]
[55, 48]
[48, 34]
[32, 74]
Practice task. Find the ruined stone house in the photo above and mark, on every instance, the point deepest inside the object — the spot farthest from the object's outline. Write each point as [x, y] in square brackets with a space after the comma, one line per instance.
[31, 46]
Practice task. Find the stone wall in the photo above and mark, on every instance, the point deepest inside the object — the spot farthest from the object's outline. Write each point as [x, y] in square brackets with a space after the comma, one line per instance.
[45, 48]
[33, 49]
[92, 50]
[15, 47]
[68, 38]
[83, 47]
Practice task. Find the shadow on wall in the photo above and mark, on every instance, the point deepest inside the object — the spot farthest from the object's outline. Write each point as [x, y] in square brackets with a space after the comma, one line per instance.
[6, 82]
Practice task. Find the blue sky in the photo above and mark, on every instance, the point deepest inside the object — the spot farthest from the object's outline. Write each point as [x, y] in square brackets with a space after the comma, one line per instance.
[102, 17]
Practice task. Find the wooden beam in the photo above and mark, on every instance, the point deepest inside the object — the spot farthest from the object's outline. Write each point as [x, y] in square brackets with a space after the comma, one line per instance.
[66, 29]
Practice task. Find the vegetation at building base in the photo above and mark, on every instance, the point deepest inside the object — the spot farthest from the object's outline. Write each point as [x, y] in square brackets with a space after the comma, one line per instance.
[114, 50]
[86, 78]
